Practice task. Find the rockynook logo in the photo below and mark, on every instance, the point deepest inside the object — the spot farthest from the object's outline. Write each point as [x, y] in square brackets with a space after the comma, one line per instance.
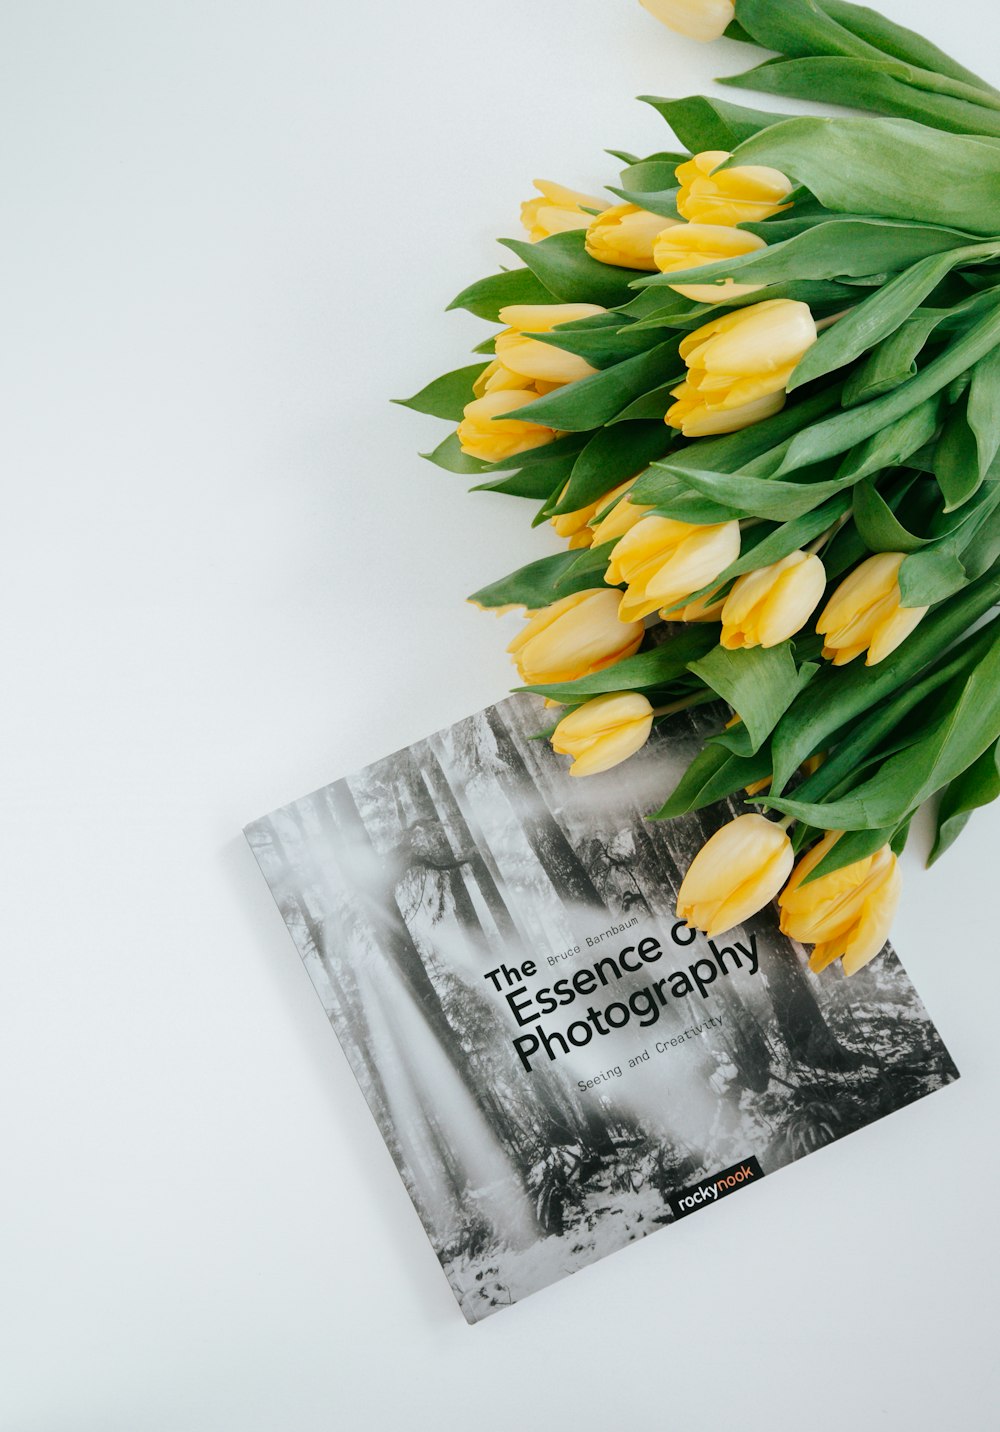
[719, 1185]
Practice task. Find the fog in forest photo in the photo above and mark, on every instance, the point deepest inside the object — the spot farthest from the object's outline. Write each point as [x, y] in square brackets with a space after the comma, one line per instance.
[404, 885]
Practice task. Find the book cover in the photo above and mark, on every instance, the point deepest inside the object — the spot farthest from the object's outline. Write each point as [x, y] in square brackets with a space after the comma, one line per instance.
[559, 1066]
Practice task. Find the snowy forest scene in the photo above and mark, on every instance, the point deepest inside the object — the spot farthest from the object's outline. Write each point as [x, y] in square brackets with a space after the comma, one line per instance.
[404, 885]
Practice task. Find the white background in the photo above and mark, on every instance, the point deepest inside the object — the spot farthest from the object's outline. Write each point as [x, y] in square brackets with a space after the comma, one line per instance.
[230, 230]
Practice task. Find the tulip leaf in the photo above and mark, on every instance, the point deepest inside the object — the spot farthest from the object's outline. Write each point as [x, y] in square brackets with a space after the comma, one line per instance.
[486, 297]
[714, 774]
[898, 42]
[879, 527]
[653, 404]
[540, 480]
[885, 86]
[836, 434]
[893, 360]
[646, 671]
[882, 313]
[589, 562]
[983, 409]
[759, 683]
[906, 779]
[977, 785]
[829, 250]
[886, 166]
[787, 537]
[956, 458]
[612, 455]
[449, 455]
[538, 584]
[655, 201]
[853, 845]
[563, 266]
[602, 339]
[592, 401]
[649, 176]
[836, 696]
[447, 396]
[700, 123]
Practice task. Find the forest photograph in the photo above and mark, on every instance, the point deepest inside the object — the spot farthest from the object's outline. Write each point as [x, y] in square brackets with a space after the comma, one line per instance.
[404, 885]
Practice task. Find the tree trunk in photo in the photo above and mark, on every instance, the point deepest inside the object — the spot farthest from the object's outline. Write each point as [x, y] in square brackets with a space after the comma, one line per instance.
[555, 854]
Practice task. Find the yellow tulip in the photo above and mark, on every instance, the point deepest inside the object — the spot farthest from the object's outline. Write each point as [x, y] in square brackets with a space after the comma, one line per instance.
[698, 19]
[603, 732]
[558, 210]
[497, 378]
[768, 606]
[575, 636]
[865, 614]
[520, 353]
[575, 525]
[846, 914]
[612, 522]
[662, 561]
[744, 195]
[487, 434]
[739, 366]
[688, 246]
[735, 874]
[625, 235]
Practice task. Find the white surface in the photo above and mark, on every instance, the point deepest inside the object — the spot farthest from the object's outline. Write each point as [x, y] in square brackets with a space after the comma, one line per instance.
[228, 578]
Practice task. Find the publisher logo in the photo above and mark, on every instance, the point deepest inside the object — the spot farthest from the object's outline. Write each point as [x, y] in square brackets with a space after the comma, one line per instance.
[719, 1185]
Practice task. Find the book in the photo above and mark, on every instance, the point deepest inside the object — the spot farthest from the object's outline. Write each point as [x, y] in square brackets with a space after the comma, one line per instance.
[557, 1064]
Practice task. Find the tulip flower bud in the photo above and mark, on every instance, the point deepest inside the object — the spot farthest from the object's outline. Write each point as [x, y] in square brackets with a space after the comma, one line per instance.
[625, 235]
[744, 195]
[663, 561]
[574, 637]
[613, 521]
[575, 525]
[865, 614]
[487, 434]
[524, 355]
[768, 606]
[735, 874]
[688, 246]
[603, 732]
[557, 211]
[698, 19]
[497, 378]
[846, 914]
[739, 366]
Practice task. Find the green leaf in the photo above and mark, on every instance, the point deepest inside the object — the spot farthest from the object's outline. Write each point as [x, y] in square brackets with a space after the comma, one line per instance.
[714, 774]
[956, 458]
[759, 683]
[486, 297]
[702, 123]
[646, 671]
[787, 537]
[538, 584]
[836, 434]
[593, 401]
[881, 314]
[892, 361]
[836, 696]
[846, 163]
[602, 339]
[898, 42]
[977, 785]
[906, 779]
[661, 201]
[449, 455]
[983, 409]
[540, 481]
[828, 250]
[612, 455]
[879, 527]
[447, 396]
[853, 845]
[563, 266]
[885, 86]
[653, 404]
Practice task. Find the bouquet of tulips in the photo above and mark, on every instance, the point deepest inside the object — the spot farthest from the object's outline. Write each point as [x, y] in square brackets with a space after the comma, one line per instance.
[758, 393]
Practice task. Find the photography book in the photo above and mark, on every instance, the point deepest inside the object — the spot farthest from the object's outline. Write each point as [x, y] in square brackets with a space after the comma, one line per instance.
[557, 1064]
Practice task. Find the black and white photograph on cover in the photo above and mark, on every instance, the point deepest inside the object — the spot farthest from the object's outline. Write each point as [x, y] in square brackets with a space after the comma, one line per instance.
[439, 895]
